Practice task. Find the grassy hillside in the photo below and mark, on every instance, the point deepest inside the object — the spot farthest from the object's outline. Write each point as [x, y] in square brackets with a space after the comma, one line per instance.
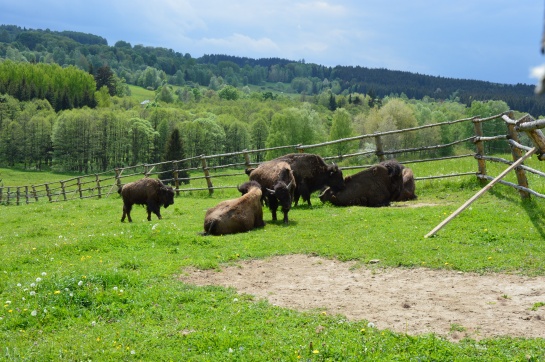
[76, 283]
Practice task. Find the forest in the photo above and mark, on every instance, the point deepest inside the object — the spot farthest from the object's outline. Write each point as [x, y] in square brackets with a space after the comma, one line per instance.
[71, 102]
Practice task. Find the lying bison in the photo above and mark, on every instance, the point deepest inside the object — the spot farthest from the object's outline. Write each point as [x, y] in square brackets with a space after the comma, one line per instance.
[147, 191]
[374, 187]
[312, 174]
[277, 184]
[237, 215]
[407, 191]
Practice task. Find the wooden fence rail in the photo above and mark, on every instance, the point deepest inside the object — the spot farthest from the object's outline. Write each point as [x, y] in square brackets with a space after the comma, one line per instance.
[104, 184]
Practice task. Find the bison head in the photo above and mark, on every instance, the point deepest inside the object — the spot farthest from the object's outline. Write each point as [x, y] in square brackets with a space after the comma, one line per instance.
[166, 195]
[283, 193]
[335, 178]
[327, 195]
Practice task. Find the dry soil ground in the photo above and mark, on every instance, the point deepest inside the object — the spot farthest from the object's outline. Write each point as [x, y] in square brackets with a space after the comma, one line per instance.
[413, 301]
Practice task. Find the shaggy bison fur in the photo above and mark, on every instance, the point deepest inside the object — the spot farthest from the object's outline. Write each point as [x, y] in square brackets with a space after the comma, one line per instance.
[147, 191]
[408, 189]
[312, 174]
[237, 215]
[373, 187]
[277, 184]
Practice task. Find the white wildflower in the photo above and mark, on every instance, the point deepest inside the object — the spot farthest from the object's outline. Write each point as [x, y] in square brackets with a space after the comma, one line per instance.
[80, 283]
[34, 313]
[32, 293]
[44, 274]
[115, 288]
[18, 284]
[371, 325]
[38, 280]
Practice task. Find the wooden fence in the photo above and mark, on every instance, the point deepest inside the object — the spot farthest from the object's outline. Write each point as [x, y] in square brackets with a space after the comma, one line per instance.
[104, 184]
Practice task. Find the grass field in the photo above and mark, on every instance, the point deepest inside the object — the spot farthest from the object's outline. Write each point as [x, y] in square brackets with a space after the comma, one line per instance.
[77, 284]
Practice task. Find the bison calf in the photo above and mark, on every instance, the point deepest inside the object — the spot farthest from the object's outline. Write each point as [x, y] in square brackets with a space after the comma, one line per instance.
[147, 191]
[277, 185]
[237, 215]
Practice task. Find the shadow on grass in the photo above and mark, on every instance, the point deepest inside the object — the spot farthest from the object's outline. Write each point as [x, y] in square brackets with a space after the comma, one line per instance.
[531, 206]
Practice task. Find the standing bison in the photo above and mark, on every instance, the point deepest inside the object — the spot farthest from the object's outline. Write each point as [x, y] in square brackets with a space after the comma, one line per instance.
[277, 184]
[147, 191]
[237, 215]
[374, 187]
[312, 174]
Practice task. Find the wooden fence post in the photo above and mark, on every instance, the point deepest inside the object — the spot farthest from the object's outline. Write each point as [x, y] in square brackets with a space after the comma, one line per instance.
[79, 187]
[517, 153]
[17, 195]
[246, 159]
[63, 190]
[98, 186]
[379, 148]
[1, 192]
[33, 192]
[48, 192]
[175, 175]
[207, 175]
[478, 126]
[26, 195]
[117, 178]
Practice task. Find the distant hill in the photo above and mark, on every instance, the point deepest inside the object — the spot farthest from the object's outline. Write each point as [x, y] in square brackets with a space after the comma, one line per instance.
[149, 66]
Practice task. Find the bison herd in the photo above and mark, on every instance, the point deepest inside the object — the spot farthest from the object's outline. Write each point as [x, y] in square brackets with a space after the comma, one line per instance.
[280, 183]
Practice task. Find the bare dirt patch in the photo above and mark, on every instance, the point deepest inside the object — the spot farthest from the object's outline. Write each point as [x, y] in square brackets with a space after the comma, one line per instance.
[413, 301]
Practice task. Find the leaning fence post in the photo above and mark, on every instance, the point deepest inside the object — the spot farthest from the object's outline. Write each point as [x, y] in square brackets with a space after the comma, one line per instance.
[478, 126]
[207, 175]
[26, 195]
[517, 153]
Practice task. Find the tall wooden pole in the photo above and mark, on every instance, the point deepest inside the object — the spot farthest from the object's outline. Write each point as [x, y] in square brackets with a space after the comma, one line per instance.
[481, 192]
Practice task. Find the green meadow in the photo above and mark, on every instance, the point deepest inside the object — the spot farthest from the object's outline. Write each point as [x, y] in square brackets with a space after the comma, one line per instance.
[77, 284]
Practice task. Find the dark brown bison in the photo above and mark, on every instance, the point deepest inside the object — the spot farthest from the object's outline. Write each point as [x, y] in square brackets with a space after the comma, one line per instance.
[277, 184]
[408, 186]
[373, 187]
[237, 215]
[312, 174]
[147, 191]
[407, 191]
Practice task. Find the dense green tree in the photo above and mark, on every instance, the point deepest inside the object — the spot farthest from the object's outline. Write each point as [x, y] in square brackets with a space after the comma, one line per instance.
[341, 127]
[141, 135]
[105, 77]
[174, 151]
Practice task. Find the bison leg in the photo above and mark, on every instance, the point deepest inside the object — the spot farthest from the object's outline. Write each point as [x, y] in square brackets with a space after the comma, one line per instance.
[273, 206]
[286, 221]
[155, 210]
[126, 212]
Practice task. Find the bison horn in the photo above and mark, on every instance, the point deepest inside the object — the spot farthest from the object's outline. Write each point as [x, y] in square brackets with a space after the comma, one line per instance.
[289, 185]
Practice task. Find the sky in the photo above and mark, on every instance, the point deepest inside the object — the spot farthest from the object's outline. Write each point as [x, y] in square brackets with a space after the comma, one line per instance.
[492, 40]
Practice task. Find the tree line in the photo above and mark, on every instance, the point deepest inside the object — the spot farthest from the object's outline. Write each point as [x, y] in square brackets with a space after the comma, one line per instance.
[120, 131]
[152, 67]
